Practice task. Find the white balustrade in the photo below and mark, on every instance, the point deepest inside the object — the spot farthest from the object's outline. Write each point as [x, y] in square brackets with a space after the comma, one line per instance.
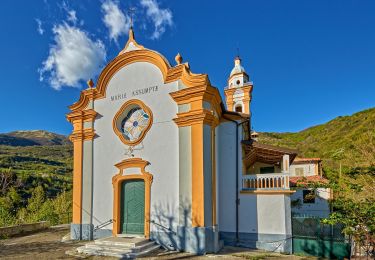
[271, 181]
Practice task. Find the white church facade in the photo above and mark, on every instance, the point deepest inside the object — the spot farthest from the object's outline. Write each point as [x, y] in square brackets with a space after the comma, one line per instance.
[159, 154]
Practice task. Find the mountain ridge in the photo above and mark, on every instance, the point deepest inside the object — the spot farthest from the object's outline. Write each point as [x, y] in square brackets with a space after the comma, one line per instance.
[33, 138]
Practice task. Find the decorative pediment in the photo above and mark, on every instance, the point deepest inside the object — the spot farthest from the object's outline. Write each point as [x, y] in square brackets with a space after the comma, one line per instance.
[132, 163]
[132, 53]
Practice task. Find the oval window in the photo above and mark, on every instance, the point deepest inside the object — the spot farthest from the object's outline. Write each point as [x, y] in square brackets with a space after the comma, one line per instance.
[132, 122]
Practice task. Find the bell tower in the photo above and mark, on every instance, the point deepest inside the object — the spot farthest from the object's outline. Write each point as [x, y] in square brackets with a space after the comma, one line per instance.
[238, 90]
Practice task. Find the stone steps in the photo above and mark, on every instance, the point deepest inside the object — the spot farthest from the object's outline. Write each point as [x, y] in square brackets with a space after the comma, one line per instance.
[124, 248]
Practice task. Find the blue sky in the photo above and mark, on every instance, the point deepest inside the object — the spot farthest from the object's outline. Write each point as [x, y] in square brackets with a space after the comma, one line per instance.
[310, 61]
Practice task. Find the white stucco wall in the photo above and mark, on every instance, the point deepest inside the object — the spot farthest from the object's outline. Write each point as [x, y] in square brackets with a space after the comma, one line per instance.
[159, 147]
[272, 211]
[320, 208]
[264, 214]
[308, 169]
[226, 170]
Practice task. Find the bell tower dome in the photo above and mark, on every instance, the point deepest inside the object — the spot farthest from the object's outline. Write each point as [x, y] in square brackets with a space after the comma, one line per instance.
[238, 90]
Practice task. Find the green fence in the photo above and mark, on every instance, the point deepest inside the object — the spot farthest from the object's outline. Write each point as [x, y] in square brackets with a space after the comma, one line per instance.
[311, 237]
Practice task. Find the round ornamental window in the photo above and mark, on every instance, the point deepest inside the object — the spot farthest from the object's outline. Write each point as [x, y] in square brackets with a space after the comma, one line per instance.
[132, 122]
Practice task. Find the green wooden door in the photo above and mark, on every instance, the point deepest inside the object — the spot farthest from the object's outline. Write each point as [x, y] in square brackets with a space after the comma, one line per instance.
[133, 207]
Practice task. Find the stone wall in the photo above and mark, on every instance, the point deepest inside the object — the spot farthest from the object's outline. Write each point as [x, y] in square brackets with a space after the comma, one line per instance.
[19, 229]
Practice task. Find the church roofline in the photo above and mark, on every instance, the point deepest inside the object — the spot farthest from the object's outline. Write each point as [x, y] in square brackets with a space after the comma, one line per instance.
[179, 72]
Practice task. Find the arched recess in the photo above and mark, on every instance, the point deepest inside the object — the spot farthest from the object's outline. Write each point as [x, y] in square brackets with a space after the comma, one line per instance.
[238, 108]
[119, 178]
[238, 105]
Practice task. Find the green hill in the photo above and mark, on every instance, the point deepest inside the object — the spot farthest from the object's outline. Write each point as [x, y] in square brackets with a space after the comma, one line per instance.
[350, 139]
[37, 158]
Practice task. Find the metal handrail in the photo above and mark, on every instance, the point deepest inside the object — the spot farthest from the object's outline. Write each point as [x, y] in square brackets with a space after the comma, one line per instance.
[106, 223]
[160, 225]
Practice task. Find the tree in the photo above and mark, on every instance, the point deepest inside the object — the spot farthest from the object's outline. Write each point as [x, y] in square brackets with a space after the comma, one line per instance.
[34, 204]
[354, 206]
[8, 179]
[63, 206]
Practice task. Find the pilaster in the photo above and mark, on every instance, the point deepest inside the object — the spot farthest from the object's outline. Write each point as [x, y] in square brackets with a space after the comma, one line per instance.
[204, 104]
[82, 138]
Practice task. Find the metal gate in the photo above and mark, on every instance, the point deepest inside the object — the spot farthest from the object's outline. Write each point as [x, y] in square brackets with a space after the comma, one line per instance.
[311, 237]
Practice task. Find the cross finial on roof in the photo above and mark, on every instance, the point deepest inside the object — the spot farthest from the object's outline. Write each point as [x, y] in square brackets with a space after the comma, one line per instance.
[131, 12]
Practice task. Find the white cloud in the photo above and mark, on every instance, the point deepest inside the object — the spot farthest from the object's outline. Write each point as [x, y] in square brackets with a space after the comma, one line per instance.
[73, 57]
[115, 20]
[72, 16]
[160, 17]
[39, 28]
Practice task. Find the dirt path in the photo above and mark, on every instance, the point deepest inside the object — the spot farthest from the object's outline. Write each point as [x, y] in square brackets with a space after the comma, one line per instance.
[42, 245]
[47, 245]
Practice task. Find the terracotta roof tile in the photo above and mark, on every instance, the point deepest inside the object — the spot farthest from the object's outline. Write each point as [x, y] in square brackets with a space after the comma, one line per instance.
[307, 160]
[304, 180]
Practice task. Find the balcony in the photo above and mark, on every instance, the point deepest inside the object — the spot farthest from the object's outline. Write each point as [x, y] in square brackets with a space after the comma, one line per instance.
[266, 183]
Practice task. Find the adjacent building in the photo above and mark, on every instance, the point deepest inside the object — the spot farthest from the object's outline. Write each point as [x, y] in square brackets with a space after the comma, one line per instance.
[309, 201]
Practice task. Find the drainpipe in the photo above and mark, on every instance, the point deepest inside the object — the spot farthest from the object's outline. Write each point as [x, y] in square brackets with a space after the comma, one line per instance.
[237, 173]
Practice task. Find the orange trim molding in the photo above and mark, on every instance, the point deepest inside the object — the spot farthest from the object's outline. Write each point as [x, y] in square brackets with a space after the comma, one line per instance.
[118, 179]
[77, 182]
[131, 40]
[87, 115]
[84, 134]
[180, 72]
[196, 117]
[133, 102]
[229, 92]
[197, 212]
[197, 95]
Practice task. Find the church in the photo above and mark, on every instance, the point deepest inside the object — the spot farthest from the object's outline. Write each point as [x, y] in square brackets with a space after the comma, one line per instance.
[159, 154]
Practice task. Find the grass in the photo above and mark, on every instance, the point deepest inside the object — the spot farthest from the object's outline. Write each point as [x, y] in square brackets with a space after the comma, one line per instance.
[256, 257]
